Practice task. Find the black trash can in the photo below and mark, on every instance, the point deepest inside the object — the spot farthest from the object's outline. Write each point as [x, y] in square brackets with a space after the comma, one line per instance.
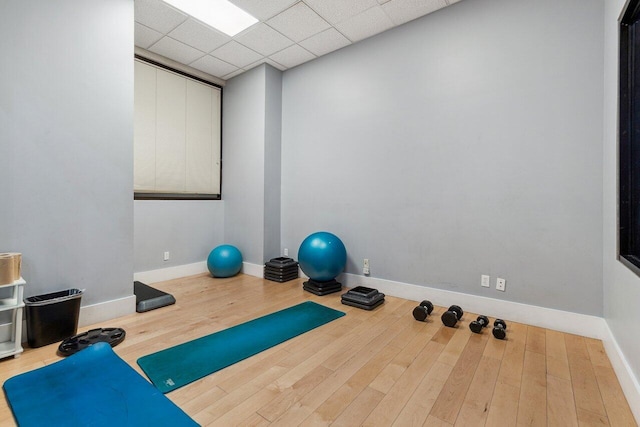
[52, 317]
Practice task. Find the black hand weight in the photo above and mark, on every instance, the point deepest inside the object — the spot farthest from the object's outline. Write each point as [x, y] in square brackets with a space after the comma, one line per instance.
[479, 324]
[499, 329]
[451, 316]
[423, 310]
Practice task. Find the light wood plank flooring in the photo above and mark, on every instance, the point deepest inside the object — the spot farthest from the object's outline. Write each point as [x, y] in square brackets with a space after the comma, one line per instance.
[373, 368]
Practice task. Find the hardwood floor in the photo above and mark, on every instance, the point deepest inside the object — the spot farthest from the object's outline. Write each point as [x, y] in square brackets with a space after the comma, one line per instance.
[372, 368]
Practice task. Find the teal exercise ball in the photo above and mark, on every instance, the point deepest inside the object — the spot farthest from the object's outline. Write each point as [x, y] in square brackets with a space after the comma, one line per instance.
[224, 261]
[322, 256]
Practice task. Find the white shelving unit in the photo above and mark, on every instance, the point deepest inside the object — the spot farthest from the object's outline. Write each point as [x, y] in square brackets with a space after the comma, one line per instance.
[14, 304]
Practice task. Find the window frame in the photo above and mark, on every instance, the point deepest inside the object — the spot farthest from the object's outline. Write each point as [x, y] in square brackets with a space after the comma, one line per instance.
[142, 195]
[628, 140]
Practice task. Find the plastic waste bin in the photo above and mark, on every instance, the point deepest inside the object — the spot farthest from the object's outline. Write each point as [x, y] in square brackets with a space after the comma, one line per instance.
[52, 317]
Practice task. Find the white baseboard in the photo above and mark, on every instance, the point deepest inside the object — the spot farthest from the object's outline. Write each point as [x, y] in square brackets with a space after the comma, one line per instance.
[573, 323]
[170, 273]
[178, 271]
[549, 318]
[628, 382]
[253, 269]
[104, 311]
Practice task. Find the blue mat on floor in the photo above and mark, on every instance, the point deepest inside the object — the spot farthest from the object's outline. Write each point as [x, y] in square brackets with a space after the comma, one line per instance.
[180, 365]
[93, 387]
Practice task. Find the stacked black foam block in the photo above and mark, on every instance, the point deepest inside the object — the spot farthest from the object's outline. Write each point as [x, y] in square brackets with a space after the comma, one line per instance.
[322, 288]
[281, 269]
[364, 298]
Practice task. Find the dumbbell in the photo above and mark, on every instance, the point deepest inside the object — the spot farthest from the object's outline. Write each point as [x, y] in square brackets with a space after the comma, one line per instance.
[451, 316]
[499, 329]
[423, 310]
[477, 325]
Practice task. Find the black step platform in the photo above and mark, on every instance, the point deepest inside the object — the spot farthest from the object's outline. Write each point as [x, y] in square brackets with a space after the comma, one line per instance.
[148, 298]
[365, 301]
[281, 269]
[322, 288]
[280, 278]
[112, 336]
[363, 292]
[281, 262]
[363, 297]
[363, 306]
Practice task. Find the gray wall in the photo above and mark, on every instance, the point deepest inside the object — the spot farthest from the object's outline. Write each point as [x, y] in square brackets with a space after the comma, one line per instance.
[188, 229]
[251, 115]
[621, 286]
[272, 163]
[66, 132]
[467, 142]
[243, 118]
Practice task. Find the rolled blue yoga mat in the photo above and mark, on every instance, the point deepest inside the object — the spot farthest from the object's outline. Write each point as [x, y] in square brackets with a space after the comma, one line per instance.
[180, 365]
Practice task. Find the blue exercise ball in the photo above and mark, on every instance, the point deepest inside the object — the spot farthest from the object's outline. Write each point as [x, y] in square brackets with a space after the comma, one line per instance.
[224, 261]
[322, 256]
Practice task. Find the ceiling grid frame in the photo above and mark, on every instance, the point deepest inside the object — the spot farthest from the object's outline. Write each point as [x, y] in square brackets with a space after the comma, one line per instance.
[289, 32]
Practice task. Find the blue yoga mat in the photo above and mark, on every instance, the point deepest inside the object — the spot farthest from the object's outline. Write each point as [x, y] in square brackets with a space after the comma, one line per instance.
[180, 365]
[93, 387]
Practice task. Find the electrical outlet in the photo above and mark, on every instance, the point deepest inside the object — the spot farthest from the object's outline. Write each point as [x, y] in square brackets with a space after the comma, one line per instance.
[501, 284]
[166, 256]
[365, 266]
[485, 281]
[286, 251]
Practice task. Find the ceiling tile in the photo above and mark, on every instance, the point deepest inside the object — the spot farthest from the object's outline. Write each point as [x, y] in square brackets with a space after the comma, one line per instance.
[262, 9]
[325, 42]
[263, 39]
[336, 11]
[176, 50]
[199, 35]
[213, 66]
[290, 32]
[370, 22]
[158, 15]
[401, 11]
[236, 54]
[145, 37]
[298, 22]
[292, 56]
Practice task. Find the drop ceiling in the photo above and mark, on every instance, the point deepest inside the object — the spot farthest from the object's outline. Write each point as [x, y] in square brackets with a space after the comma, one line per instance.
[289, 32]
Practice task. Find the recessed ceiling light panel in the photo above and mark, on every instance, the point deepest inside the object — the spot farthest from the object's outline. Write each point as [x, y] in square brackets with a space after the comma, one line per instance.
[220, 14]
